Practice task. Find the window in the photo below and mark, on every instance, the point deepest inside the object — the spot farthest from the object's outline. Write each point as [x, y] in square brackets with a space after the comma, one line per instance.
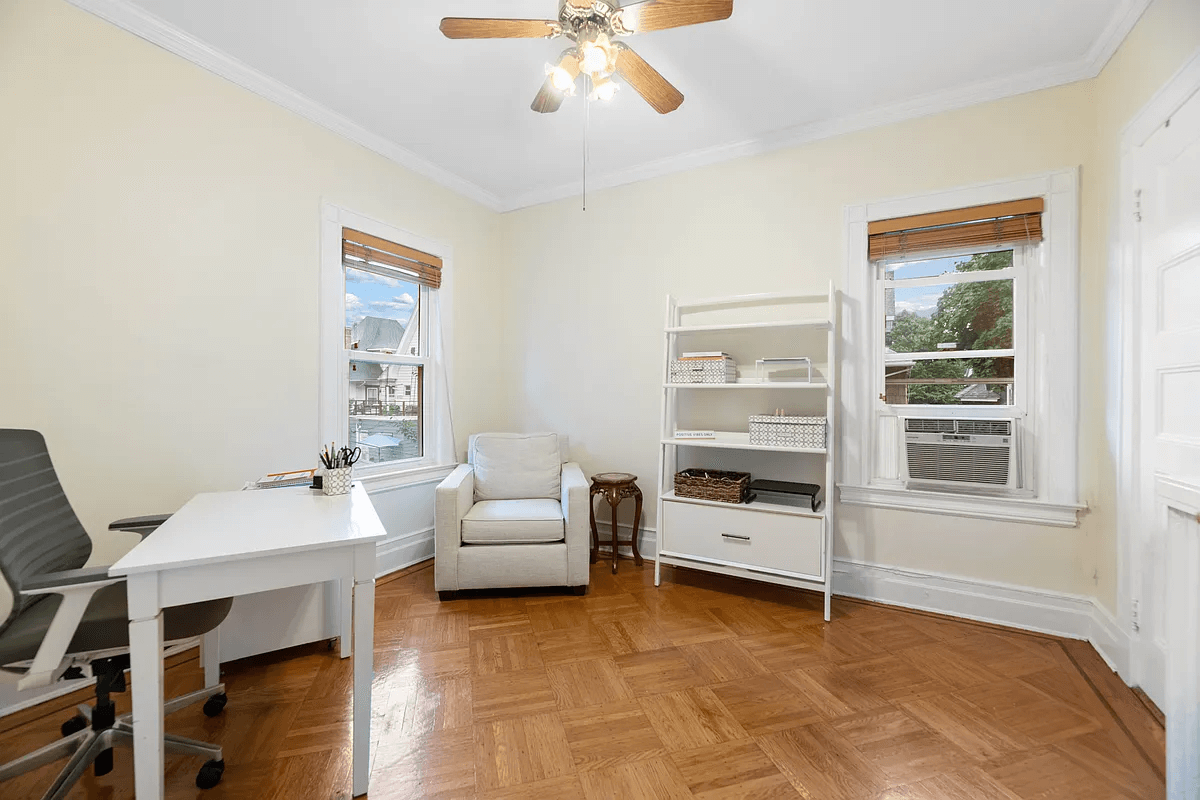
[948, 329]
[379, 359]
[383, 327]
[945, 296]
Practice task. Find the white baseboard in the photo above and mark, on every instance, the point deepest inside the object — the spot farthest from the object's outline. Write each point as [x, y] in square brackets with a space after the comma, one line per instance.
[403, 551]
[12, 701]
[647, 539]
[1056, 613]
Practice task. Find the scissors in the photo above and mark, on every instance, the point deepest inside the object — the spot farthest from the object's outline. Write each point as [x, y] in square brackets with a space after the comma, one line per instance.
[348, 457]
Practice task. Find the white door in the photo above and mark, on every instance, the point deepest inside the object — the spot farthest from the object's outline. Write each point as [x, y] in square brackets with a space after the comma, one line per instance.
[1167, 175]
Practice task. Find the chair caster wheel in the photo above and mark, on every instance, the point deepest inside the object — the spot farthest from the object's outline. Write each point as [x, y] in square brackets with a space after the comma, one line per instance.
[74, 725]
[215, 705]
[210, 774]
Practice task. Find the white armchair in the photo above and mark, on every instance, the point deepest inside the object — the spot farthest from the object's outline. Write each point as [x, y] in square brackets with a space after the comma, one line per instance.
[516, 514]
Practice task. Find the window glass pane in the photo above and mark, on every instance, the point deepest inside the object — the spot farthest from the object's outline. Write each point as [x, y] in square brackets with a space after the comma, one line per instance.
[382, 313]
[385, 411]
[929, 267]
[955, 316]
[950, 381]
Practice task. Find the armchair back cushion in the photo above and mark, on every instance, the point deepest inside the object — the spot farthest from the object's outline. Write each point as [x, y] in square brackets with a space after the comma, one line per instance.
[516, 466]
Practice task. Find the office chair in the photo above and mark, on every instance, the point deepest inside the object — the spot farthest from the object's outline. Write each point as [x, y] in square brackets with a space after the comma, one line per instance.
[64, 617]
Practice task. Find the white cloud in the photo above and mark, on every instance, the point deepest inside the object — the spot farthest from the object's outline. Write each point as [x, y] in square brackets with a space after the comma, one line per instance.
[403, 302]
[362, 276]
[922, 305]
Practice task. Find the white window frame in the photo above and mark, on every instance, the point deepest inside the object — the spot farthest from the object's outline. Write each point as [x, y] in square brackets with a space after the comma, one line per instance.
[1017, 273]
[1046, 344]
[334, 358]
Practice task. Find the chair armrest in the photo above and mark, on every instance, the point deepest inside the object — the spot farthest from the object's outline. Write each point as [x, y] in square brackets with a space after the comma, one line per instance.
[575, 500]
[574, 486]
[76, 587]
[67, 580]
[452, 500]
[459, 484]
[144, 525]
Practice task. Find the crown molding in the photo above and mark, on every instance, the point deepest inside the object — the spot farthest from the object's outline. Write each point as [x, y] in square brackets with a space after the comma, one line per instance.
[141, 23]
[1086, 68]
[1119, 25]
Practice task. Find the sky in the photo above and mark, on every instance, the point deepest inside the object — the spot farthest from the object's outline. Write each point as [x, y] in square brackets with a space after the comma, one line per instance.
[371, 295]
[922, 300]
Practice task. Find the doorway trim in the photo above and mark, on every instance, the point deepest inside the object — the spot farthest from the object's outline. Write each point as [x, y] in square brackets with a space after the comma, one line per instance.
[1144, 656]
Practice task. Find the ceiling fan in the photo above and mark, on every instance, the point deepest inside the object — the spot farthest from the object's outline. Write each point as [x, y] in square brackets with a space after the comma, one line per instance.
[594, 25]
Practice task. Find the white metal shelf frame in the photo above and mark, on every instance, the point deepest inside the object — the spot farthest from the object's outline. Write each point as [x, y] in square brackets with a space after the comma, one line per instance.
[669, 445]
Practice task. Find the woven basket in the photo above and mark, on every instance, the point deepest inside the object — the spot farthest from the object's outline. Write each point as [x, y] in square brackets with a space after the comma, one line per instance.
[712, 484]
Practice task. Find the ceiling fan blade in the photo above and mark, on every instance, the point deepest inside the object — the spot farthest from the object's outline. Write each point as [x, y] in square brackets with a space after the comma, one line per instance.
[646, 81]
[657, 15]
[469, 28]
[549, 98]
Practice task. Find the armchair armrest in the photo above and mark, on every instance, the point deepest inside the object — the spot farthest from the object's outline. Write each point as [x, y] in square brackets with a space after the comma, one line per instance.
[144, 525]
[76, 587]
[453, 499]
[575, 500]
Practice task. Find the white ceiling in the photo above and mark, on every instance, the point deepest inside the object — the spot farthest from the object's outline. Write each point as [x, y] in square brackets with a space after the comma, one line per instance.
[778, 72]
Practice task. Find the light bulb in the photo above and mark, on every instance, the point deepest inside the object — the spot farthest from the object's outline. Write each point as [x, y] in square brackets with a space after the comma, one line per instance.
[560, 79]
[597, 57]
[594, 59]
[604, 89]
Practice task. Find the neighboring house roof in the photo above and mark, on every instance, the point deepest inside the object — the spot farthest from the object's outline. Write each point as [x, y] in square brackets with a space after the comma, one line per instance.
[378, 333]
[977, 393]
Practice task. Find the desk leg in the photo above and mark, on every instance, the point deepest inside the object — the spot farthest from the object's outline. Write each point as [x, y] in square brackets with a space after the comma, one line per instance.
[364, 652]
[146, 668]
[210, 651]
[346, 595]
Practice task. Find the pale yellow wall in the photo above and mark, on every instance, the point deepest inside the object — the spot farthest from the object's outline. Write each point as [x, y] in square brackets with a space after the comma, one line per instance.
[590, 343]
[159, 256]
[157, 220]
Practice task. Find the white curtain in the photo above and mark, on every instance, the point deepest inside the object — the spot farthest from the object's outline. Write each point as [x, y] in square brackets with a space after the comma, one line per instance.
[443, 435]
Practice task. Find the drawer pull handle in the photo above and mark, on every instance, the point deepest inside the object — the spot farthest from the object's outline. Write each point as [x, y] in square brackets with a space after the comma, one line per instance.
[734, 536]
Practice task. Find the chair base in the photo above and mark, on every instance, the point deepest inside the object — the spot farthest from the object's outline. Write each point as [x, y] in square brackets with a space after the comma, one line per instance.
[86, 746]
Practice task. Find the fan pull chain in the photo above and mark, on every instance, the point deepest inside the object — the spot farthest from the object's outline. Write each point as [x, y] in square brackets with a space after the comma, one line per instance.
[587, 125]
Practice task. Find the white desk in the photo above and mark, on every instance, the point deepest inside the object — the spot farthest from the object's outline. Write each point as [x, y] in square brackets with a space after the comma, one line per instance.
[224, 544]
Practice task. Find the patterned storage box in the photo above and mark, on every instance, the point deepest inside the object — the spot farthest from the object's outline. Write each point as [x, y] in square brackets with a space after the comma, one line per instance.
[775, 431]
[704, 371]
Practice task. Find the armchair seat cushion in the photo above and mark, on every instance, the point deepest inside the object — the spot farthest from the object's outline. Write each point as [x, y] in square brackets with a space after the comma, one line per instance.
[535, 521]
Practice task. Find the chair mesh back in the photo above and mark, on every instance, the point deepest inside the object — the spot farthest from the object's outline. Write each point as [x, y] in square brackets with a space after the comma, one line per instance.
[39, 531]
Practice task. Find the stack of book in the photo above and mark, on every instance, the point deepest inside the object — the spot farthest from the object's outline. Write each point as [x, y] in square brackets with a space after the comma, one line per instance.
[710, 366]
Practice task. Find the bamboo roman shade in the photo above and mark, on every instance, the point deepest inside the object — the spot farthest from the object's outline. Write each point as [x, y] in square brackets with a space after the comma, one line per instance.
[359, 247]
[1015, 222]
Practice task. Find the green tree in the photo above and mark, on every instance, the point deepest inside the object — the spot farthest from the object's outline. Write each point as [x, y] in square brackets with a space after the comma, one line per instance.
[972, 316]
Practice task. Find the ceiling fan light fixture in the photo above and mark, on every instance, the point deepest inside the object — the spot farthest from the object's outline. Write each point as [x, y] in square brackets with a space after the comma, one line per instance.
[597, 57]
[561, 79]
[604, 89]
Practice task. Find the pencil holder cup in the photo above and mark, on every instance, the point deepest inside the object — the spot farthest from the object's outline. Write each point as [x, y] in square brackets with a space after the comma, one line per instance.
[336, 481]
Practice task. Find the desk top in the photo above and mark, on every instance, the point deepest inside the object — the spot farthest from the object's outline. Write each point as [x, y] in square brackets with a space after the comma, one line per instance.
[230, 526]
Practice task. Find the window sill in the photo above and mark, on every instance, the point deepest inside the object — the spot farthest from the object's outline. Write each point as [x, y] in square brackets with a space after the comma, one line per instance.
[388, 479]
[1032, 512]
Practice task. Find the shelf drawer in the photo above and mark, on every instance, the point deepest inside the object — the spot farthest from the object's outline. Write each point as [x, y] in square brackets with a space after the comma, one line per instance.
[738, 535]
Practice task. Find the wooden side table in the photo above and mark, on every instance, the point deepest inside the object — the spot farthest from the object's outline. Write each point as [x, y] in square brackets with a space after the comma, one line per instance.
[615, 487]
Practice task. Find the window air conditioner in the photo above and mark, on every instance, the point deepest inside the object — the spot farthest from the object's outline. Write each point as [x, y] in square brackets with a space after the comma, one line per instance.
[966, 453]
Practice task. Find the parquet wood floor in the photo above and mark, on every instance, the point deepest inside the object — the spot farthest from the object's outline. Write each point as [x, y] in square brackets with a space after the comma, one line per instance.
[704, 687]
